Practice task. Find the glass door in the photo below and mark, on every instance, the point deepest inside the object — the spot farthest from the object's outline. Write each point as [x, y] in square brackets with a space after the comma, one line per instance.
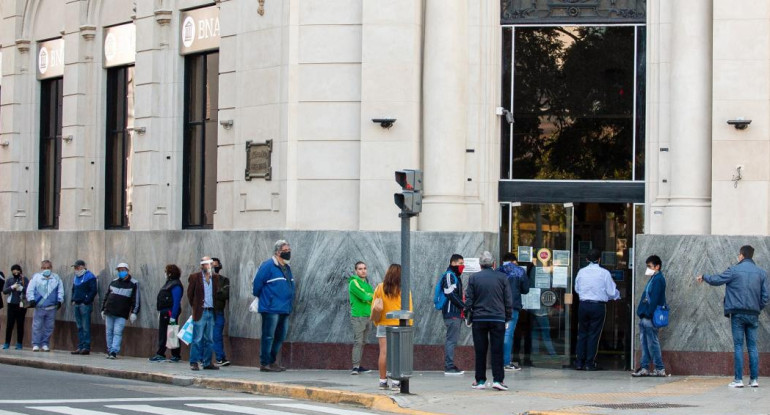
[541, 237]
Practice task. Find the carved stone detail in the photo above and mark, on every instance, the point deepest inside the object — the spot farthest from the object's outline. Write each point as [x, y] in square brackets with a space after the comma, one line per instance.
[261, 9]
[572, 11]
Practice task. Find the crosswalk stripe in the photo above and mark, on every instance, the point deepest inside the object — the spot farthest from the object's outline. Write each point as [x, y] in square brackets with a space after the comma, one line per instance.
[68, 410]
[323, 409]
[157, 410]
[9, 413]
[221, 407]
[103, 400]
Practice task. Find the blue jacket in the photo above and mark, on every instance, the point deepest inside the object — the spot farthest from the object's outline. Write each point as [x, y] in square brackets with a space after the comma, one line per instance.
[84, 288]
[518, 280]
[455, 304]
[747, 289]
[656, 287]
[45, 291]
[274, 289]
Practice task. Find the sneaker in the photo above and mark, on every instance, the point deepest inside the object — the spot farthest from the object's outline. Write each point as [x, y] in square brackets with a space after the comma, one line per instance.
[499, 386]
[510, 367]
[362, 369]
[6, 346]
[354, 371]
[35, 348]
[18, 346]
[754, 383]
[194, 366]
[158, 358]
[661, 373]
[223, 362]
[453, 372]
[479, 385]
[277, 368]
[641, 372]
[736, 384]
[268, 368]
[85, 352]
[383, 384]
[210, 367]
[46, 348]
[174, 359]
[75, 351]
[113, 355]
[395, 385]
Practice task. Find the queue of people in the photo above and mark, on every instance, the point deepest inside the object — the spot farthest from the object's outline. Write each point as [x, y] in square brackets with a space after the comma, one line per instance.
[489, 303]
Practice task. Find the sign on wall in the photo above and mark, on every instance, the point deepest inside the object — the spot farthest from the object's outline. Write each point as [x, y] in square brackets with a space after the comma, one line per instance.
[258, 160]
[199, 30]
[50, 59]
[119, 45]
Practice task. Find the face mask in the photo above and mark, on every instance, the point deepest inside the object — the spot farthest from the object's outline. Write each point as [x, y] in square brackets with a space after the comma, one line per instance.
[80, 273]
[457, 269]
[46, 273]
[285, 255]
[649, 272]
[217, 269]
[122, 274]
[16, 273]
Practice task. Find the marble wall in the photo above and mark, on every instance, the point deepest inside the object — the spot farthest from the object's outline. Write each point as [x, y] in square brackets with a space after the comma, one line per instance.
[321, 262]
[697, 321]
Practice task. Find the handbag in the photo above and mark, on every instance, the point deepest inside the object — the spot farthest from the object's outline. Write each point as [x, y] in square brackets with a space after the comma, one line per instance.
[377, 306]
[172, 341]
[186, 333]
[660, 315]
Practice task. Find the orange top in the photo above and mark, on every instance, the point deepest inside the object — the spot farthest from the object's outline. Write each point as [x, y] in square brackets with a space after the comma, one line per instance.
[390, 304]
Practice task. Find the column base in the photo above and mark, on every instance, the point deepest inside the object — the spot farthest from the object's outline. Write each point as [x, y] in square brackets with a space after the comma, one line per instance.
[687, 217]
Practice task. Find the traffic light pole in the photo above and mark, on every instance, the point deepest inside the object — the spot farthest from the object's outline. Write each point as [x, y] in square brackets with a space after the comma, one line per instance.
[406, 220]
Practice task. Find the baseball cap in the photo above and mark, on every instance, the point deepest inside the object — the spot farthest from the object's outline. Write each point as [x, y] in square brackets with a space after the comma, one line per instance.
[79, 263]
[122, 265]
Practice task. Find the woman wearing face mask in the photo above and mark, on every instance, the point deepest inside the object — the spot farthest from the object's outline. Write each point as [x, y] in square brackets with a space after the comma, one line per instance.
[120, 304]
[169, 307]
[45, 293]
[16, 289]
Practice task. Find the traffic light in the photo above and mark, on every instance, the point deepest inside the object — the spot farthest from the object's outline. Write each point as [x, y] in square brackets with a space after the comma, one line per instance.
[410, 198]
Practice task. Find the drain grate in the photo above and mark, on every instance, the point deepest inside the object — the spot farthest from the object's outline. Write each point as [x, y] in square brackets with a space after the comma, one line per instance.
[643, 405]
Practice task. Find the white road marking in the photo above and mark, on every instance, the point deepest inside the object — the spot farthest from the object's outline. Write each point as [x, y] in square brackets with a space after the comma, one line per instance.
[9, 413]
[169, 399]
[68, 410]
[157, 410]
[220, 407]
[322, 409]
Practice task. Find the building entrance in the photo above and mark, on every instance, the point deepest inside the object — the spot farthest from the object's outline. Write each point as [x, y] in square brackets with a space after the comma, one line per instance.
[552, 241]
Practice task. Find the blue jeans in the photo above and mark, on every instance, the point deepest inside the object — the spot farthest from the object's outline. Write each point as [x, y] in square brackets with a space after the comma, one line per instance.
[203, 330]
[219, 328]
[508, 340]
[83, 321]
[115, 326]
[648, 335]
[274, 329]
[745, 325]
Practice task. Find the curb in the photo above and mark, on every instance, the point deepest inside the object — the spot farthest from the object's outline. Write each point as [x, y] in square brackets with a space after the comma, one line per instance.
[332, 396]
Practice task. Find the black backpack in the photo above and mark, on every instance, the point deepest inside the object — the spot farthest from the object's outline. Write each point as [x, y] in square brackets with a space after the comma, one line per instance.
[165, 299]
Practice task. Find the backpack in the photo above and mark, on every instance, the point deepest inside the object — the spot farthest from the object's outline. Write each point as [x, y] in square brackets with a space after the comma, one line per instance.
[165, 298]
[439, 298]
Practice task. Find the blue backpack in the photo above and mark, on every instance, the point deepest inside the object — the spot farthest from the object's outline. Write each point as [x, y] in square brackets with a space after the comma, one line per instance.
[439, 298]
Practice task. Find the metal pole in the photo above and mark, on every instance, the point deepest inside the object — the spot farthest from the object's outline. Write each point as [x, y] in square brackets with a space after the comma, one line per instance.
[405, 249]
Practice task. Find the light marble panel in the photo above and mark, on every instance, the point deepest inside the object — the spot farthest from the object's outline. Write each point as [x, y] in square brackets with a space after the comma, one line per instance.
[697, 321]
[330, 44]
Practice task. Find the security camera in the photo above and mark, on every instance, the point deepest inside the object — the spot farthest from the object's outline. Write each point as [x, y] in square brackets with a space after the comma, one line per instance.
[506, 113]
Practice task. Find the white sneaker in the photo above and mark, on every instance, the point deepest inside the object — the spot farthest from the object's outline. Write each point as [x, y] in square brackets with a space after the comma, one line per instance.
[499, 386]
[479, 385]
[736, 384]
[46, 349]
[395, 385]
[35, 348]
[754, 383]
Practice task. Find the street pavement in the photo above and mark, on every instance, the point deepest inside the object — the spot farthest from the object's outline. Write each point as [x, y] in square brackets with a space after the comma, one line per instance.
[532, 390]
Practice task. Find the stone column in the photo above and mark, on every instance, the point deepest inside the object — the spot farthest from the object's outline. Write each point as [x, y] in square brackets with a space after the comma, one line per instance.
[445, 106]
[689, 206]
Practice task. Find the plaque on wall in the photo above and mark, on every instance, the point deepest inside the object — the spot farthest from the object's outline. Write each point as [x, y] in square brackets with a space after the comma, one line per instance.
[199, 30]
[50, 59]
[258, 160]
[119, 45]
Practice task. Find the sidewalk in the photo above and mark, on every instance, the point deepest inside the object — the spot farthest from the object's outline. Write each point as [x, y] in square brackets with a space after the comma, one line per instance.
[532, 390]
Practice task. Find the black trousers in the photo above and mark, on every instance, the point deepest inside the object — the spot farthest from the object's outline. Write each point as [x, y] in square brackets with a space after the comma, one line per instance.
[16, 316]
[489, 335]
[590, 324]
[162, 327]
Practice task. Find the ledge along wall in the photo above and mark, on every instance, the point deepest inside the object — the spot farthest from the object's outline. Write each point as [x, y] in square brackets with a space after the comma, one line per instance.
[698, 339]
[319, 332]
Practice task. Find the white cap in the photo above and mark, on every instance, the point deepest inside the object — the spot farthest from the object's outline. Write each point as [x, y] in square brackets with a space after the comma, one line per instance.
[122, 265]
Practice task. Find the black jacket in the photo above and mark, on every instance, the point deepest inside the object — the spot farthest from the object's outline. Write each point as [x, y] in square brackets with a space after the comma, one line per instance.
[122, 298]
[222, 294]
[488, 296]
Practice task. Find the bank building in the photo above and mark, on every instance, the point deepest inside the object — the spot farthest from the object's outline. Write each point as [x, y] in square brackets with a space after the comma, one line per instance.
[158, 131]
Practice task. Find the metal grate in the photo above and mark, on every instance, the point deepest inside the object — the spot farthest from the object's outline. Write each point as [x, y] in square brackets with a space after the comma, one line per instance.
[643, 405]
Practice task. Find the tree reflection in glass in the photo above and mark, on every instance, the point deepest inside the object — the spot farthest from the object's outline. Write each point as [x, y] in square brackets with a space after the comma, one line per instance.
[573, 98]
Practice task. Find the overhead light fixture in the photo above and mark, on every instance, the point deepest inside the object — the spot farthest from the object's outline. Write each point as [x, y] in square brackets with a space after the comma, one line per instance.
[228, 124]
[384, 122]
[5, 143]
[739, 123]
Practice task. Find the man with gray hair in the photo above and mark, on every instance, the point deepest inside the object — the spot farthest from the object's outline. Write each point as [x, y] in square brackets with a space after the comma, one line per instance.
[274, 287]
[490, 304]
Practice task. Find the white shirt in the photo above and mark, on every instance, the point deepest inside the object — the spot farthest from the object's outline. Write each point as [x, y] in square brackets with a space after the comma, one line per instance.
[595, 283]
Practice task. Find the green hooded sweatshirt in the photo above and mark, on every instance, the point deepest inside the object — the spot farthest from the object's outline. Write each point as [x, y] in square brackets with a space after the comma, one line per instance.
[361, 294]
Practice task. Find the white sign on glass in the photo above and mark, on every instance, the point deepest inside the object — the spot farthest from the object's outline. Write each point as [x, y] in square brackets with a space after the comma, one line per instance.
[560, 277]
[471, 265]
[525, 254]
[531, 301]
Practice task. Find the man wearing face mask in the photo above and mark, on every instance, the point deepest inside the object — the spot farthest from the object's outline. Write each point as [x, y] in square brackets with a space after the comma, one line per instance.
[654, 295]
[120, 303]
[274, 286]
[45, 293]
[201, 287]
[220, 305]
[452, 285]
[84, 289]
